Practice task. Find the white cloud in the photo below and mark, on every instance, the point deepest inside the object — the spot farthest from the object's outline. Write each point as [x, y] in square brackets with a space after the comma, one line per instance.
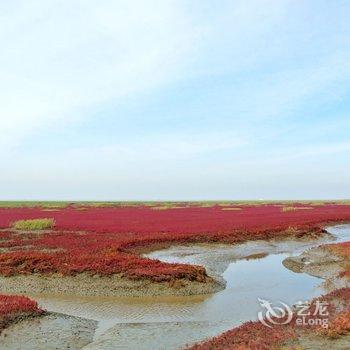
[60, 58]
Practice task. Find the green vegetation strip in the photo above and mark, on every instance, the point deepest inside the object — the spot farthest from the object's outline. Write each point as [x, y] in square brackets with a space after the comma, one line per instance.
[33, 224]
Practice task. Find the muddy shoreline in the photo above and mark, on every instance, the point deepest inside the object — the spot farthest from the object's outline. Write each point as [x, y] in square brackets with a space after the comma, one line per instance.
[86, 285]
[320, 262]
[48, 331]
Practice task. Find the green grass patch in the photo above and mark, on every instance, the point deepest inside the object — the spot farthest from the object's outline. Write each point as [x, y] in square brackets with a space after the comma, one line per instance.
[32, 204]
[33, 224]
[228, 209]
[286, 209]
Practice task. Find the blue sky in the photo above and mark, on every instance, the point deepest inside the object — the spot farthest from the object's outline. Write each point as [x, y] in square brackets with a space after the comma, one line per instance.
[113, 100]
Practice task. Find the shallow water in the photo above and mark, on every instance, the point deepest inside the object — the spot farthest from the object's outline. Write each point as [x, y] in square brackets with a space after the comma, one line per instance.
[173, 322]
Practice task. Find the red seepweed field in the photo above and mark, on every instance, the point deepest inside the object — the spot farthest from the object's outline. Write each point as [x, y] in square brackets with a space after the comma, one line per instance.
[105, 240]
[101, 240]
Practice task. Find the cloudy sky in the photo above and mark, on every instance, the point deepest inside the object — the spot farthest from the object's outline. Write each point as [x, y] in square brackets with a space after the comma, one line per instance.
[112, 100]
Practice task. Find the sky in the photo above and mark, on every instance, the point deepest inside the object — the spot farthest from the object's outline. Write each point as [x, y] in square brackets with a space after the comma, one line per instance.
[174, 100]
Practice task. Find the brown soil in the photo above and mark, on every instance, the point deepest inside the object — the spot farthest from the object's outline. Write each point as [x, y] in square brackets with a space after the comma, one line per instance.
[115, 285]
[48, 332]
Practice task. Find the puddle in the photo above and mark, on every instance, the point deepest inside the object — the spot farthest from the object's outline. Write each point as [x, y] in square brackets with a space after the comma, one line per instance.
[173, 322]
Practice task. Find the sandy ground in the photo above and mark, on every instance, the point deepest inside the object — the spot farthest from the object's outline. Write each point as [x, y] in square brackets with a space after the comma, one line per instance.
[155, 336]
[322, 343]
[48, 332]
[87, 285]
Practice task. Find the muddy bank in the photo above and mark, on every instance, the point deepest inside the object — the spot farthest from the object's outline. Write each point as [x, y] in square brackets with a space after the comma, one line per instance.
[48, 332]
[87, 285]
[320, 262]
[214, 257]
[155, 335]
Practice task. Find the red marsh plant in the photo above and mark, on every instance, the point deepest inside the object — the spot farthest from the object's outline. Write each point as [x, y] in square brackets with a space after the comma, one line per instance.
[14, 308]
[104, 239]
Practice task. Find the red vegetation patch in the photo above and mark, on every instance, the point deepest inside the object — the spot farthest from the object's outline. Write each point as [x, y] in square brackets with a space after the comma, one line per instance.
[188, 221]
[339, 320]
[249, 336]
[339, 326]
[14, 308]
[101, 239]
[342, 250]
